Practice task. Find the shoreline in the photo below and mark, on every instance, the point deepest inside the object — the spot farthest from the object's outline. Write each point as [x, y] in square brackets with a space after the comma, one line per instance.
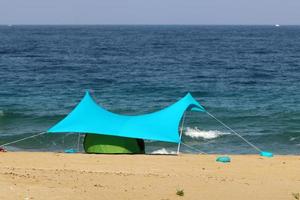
[43, 175]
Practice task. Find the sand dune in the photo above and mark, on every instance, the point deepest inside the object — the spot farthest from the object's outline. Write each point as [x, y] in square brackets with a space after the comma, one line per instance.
[82, 176]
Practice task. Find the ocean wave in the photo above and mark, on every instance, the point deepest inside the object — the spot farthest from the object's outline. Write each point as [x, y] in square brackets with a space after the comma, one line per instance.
[15, 114]
[196, 133]
[294, 138]
[163, 151]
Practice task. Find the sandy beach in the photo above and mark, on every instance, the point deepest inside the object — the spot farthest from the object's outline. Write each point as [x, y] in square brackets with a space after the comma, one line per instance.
[83, 176]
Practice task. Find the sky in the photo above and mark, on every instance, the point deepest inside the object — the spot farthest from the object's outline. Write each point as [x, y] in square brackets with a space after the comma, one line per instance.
[150, 12]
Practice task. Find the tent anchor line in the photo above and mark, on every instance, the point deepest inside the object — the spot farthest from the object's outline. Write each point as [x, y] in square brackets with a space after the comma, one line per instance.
[252, 145]
[193, 148]
[16, 141]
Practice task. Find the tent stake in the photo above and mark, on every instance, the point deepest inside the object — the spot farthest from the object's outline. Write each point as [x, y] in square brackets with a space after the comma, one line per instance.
[181, 131]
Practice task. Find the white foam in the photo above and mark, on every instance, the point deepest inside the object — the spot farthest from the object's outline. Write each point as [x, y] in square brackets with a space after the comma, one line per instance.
[294, 138]
[163, 151]
[1, 113]
[196, 133]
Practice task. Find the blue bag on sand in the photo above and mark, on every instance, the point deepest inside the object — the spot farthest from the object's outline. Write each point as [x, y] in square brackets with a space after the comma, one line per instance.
[266, 154]
[223, 159]
[70, 151]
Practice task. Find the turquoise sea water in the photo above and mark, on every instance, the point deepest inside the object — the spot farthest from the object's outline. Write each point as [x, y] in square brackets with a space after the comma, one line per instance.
[247, 76]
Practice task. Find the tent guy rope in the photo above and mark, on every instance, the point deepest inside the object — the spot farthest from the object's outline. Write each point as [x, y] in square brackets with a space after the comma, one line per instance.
[22, 139]
[198, 150]
[252, 145]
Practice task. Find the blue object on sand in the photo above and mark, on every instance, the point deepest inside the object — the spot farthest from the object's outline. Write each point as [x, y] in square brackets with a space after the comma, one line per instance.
[70, 151]
[266, 154]
[224, 159]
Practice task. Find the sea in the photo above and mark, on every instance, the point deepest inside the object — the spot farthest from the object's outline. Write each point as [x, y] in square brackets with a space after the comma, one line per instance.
[246, 76]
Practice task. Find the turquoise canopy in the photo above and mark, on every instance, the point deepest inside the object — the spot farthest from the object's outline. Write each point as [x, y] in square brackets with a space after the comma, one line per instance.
[163, 125]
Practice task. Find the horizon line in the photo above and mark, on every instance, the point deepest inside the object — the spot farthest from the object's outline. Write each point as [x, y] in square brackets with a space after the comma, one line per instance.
[94, 24]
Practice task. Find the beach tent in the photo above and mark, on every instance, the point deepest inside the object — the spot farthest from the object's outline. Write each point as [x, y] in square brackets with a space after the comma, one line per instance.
[95, 143]
[107, 132]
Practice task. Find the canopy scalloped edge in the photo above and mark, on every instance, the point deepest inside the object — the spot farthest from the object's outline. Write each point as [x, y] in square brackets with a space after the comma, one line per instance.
[162, 125]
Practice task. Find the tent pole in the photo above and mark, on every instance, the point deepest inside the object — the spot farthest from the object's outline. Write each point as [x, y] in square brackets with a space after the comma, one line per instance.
[78, 141]
[181, 131]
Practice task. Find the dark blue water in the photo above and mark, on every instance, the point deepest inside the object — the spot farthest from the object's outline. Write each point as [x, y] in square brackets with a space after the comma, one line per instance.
[247, 76]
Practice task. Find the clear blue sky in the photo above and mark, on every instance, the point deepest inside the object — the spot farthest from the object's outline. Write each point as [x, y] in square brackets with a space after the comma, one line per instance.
[150, 12]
